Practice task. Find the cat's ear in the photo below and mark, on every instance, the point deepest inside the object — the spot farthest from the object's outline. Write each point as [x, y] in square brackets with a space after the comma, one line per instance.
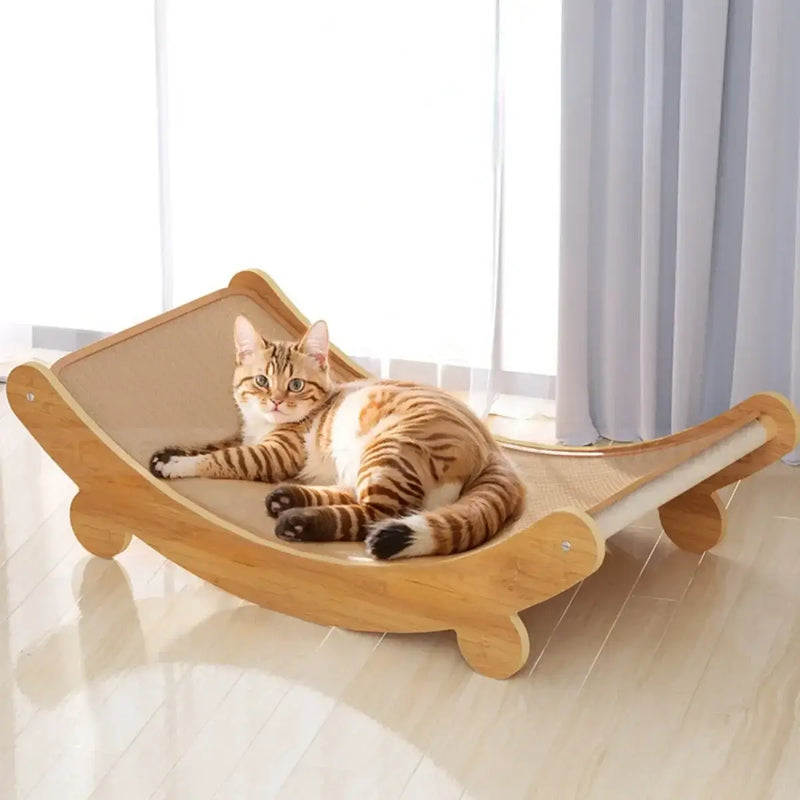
[315, 342]
[247, 338]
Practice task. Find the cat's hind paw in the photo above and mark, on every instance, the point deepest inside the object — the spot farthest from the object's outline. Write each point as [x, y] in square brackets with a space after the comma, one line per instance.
[305, 525]
[282, 498]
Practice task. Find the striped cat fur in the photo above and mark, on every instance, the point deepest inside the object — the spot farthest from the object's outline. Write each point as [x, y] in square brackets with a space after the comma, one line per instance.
[407, 468]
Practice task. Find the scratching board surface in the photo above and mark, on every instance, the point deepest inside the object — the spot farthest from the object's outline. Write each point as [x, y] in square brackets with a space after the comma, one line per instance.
[171, 384]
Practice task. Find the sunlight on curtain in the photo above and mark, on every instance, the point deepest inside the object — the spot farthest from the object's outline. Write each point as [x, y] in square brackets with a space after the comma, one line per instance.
[344, 148]
[531, 58]
[78, 164]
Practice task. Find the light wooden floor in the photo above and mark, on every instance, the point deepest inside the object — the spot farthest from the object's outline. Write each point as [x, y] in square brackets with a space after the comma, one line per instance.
[662, 676]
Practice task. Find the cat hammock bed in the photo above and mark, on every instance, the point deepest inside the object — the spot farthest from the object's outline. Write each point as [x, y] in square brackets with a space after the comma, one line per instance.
[102, 411]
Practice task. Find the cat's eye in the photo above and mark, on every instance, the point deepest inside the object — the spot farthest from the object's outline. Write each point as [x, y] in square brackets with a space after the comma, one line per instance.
[296, 385]
[262, 381]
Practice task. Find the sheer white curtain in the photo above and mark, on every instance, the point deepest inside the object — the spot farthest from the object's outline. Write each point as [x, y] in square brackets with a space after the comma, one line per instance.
[344, 150]
[78, 167]
[347, 149]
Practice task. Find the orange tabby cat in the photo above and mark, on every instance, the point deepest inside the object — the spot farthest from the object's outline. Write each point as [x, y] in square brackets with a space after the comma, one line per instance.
[407, 468]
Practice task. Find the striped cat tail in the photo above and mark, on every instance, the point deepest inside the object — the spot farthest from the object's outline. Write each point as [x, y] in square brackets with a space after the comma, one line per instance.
[494, 497]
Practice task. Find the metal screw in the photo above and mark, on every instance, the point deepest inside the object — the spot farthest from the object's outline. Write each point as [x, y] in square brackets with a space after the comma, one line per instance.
[30, 397]
[566, 546]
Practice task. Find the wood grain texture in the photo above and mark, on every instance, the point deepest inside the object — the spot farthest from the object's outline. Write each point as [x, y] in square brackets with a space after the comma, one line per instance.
[695, 521]
[783, 420]
[96, 530]
[475, 593]
[481, 651]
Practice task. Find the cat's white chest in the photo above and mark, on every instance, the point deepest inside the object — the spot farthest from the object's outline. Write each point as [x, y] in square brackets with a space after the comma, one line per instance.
[320, 469]
[339, 466]
[255, 427]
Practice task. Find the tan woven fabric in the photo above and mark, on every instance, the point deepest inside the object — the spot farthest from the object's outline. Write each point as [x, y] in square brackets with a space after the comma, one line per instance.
[171, 385]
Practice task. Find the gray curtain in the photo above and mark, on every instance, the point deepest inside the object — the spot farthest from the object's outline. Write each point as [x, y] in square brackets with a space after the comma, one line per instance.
[680, 237]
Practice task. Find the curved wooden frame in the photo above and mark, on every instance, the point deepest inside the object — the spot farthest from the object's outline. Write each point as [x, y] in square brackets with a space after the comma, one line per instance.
[479, 594]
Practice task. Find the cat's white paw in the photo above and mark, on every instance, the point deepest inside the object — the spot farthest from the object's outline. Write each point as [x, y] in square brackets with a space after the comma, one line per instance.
[181, 467]
[174, 464]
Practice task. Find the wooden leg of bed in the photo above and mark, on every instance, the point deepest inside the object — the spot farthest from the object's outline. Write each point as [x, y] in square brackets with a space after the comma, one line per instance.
[695, 520]
[498, 648]
[97, 534]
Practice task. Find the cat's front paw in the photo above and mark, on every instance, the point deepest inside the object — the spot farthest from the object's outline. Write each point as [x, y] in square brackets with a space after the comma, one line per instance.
[172, 462]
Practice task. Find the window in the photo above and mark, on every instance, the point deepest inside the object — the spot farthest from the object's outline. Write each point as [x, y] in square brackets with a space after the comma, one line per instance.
[343, 147]
[79, 240]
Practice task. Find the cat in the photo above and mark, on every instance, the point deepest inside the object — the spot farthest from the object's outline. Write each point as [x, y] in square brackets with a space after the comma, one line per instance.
[407, 468]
